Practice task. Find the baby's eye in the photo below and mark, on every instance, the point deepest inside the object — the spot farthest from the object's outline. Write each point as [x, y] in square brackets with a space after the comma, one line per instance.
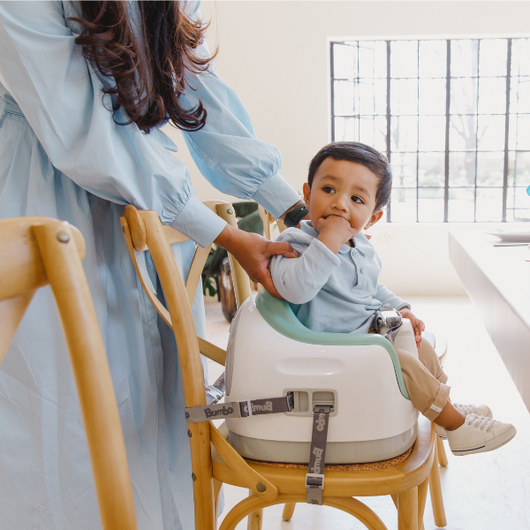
[328, 189]
[356, 198]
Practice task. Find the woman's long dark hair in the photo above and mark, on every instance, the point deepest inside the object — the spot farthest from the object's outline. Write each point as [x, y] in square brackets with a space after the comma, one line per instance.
[148, 88]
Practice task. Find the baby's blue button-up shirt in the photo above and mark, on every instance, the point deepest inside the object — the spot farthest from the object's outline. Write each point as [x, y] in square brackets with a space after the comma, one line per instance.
[327, 292]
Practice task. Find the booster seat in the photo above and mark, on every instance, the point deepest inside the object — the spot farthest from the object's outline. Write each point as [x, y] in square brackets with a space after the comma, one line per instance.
[270, 353]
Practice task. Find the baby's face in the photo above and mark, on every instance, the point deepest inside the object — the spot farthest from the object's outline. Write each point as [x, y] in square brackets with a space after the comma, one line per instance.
[344, 189]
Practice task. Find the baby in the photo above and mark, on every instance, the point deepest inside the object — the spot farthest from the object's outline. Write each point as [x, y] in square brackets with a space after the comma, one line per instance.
[333, 286]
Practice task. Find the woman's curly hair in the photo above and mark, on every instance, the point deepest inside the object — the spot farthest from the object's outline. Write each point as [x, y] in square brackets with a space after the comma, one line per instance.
[147, 87]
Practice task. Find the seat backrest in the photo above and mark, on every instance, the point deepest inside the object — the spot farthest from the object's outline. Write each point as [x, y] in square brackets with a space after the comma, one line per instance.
[143, 231]
[36, 251]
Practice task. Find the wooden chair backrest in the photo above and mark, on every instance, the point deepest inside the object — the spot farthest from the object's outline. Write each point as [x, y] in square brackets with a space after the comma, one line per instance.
[268, 221]
[143, 231]
[36, 251]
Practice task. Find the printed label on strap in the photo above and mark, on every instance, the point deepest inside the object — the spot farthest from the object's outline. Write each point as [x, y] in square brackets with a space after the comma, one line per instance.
[240, 409]
[314, 481]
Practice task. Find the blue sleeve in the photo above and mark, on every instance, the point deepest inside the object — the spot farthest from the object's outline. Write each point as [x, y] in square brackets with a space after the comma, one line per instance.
[60, 94]
[226, 150]
[299, 280]
[387, 297]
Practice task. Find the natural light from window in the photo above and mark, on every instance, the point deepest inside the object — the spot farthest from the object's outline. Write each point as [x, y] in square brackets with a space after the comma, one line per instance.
[453, 116]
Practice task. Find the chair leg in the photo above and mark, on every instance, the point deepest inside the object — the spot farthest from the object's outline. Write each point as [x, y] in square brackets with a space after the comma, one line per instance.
[288, 511]
[255, 518]
[408, 509]
[440, 451]
[422, 499]
[436, 494]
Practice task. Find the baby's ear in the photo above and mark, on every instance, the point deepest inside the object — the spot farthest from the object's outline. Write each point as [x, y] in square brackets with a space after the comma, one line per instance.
[307, 193]
[375, 217]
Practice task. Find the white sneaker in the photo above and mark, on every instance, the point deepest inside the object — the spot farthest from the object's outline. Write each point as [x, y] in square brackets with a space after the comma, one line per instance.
[480, 410]
[479, 434]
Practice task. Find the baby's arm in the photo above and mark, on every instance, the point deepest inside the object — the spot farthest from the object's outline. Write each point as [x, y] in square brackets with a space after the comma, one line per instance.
[299, 280]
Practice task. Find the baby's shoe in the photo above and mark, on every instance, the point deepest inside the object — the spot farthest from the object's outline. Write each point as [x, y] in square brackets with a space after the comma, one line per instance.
[479, 434]
[480, 410]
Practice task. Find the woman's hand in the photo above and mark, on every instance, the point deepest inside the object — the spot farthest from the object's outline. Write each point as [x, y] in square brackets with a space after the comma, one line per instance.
[417, 325]
[254, 252]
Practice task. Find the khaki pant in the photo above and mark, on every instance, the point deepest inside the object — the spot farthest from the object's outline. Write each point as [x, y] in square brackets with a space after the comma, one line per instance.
[425, 379]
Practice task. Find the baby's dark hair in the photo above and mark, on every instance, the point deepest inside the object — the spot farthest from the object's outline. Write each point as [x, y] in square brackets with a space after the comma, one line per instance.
[360, 154]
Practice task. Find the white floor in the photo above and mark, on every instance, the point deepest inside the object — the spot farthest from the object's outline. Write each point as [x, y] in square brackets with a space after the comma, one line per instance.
[486, 491]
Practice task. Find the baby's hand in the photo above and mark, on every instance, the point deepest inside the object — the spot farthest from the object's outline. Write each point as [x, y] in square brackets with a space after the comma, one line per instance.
[334, 231]
[417, 325]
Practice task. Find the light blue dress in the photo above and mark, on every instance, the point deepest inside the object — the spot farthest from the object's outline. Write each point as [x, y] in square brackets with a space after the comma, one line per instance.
[62, 155]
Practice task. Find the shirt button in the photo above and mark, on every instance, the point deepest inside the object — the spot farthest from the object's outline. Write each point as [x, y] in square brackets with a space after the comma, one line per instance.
[361, 270]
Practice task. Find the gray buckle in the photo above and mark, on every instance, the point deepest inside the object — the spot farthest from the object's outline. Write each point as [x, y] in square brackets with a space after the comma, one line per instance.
[314, 484]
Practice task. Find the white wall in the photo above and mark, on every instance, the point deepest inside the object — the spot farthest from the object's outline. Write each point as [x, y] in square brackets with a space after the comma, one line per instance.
[275, 54]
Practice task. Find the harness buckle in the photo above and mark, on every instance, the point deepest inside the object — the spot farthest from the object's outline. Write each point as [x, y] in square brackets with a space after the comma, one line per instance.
[314, 485]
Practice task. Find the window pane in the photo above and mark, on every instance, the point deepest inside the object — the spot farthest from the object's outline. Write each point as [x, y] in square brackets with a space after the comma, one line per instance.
[520, 94]
[368, 130]
[372, 96]
[346, 128]
[521, 198]
[462, 133]
[491, 133]
[404, 58]
[520, 54]
[519, 169]
[404, 133]
[403, 208]
[404, 97]
[492, 95]
[404, 169]
[493, 57]
[431, 205]
[464, 58]
[433, 58]
[464, 95]
[489, 205]
[346, 102]
[522, 138]
[462, 169]
[372, 59]
[432, 133]
[431, 169]
[490, 169]
[344, 61]
[461, 205]
[432, 96]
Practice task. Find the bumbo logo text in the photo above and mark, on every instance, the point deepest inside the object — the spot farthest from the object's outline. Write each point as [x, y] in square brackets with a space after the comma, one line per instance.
[317, 452]
[225, 411]
[321, 422]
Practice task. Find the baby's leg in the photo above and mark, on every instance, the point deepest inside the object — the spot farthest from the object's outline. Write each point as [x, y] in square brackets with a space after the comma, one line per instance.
[427, 393]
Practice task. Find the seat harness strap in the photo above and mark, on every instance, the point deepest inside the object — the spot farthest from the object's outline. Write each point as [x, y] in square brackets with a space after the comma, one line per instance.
[240, 409]
[314, 479]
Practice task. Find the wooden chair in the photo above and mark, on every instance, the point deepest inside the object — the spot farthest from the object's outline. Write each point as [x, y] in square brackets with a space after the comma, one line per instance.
[36, 251]
[214, 461]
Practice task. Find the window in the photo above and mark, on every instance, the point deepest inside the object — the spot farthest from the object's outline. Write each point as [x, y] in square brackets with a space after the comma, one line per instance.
[452, 116]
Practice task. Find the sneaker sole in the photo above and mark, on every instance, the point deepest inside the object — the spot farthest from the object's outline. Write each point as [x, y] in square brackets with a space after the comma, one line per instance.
[497, 442]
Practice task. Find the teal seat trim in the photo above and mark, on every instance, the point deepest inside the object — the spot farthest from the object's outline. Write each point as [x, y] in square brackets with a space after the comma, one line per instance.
[279, 315]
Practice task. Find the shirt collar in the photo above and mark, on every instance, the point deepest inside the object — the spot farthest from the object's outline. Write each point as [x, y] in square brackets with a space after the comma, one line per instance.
[361, 242]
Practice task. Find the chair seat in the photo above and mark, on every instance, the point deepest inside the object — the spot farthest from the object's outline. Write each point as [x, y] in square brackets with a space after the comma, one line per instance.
[340, 483]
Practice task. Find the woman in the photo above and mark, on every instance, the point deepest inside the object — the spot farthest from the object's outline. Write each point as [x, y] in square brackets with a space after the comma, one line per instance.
[83, 90]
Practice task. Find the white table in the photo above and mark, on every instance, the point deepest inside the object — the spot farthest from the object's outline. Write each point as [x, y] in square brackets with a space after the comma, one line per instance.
[497, 280]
